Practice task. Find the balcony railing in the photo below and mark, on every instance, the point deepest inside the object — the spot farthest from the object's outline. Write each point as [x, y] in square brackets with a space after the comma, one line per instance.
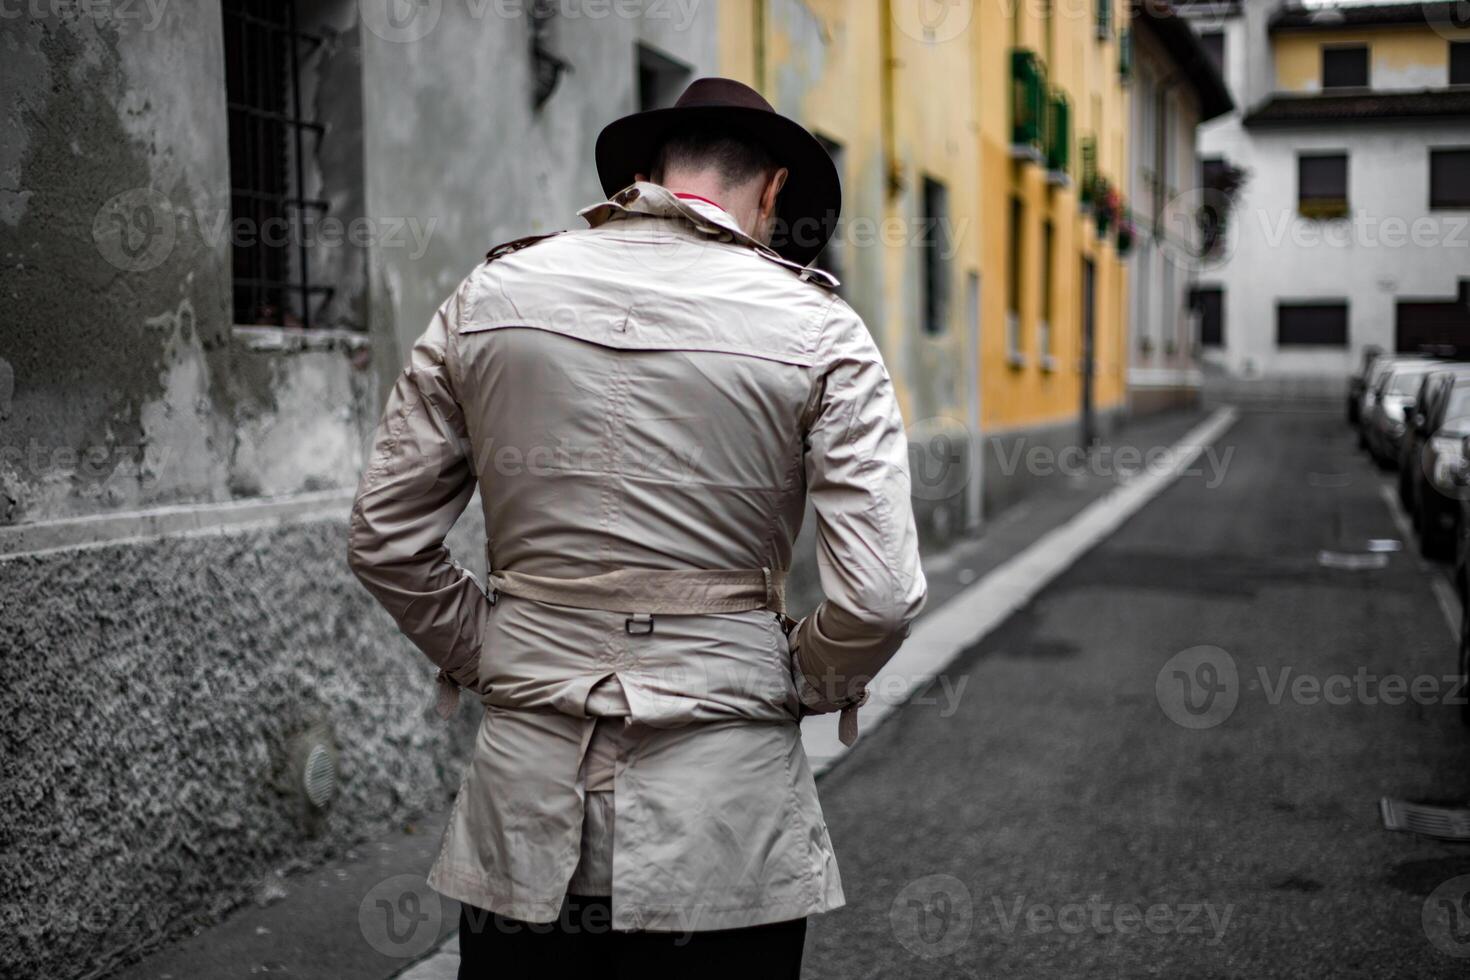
[1089, 182]
[1059, 135]
[1028, 105]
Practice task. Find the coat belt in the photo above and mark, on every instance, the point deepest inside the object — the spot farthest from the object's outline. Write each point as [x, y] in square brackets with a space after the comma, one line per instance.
[647, 592]
[652, 592]
[642, 593]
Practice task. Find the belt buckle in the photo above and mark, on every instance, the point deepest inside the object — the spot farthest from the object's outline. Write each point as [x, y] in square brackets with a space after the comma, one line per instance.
[643, 622]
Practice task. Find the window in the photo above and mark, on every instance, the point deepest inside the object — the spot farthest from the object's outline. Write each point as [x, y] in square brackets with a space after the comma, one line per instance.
[268, 142]
[933, 234]
[1345, 67]
[1457, 405]
[1210, 302]
[1311, 324]
[1322, 184]
[1214, 44]
[1048, 249]
[661, 79]
[1460, 62]
[1449, 178]
[1014, 242]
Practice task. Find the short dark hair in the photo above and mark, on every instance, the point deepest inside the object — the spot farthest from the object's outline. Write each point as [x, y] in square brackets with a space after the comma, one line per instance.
[694, 146]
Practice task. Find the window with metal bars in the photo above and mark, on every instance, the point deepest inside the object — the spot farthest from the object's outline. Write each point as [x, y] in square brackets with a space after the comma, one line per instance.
[933, 236]
[269, 142]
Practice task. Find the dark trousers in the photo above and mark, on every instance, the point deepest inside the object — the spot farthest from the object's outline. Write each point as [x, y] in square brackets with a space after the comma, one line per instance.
[581, 945]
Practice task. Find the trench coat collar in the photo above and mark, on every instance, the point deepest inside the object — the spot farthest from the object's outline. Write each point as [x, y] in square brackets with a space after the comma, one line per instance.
[647, 198]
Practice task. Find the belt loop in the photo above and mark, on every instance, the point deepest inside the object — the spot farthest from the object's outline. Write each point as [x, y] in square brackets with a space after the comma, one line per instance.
[644, 622]
[775, 593]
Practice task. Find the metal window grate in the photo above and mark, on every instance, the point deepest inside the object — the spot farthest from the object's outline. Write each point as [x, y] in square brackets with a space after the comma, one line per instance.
[269, 240]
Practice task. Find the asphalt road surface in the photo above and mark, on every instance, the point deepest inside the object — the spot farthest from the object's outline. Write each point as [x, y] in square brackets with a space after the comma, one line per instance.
[1170, 763]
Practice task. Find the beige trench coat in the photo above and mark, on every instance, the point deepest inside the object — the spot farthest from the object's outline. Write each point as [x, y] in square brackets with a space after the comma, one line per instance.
[657, 392]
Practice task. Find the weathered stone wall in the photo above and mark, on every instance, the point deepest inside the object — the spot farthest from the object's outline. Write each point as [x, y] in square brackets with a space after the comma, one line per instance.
[150, 691]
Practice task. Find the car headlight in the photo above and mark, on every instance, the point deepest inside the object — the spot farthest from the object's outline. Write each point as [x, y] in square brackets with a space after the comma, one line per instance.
[1448, 462]
[1446, 446]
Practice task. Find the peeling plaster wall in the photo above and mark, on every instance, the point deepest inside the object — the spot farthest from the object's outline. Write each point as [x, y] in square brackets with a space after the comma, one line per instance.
[128, 387]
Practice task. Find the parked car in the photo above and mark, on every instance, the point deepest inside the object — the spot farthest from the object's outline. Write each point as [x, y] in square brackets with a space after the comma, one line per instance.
[1437, 470]
[1386, 423]
[1424, 418]
[1462, 580]
[1381, 366]
[1358, 383]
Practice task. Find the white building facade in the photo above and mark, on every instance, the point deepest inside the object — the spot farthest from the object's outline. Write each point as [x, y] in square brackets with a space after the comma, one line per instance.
[1352, 228]
[1176, 85]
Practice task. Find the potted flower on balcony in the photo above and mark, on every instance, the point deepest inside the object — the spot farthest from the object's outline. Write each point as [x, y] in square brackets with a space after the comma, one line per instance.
[1127, 232]
[1105, 211]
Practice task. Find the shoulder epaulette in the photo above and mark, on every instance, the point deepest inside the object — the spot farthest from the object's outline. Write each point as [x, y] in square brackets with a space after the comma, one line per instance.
[515, 245]
[807, 273]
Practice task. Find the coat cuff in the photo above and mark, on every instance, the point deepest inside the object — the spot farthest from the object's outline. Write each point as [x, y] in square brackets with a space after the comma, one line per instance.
[815, 702]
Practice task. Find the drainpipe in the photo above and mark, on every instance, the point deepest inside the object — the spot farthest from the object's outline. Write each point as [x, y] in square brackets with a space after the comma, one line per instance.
[890, 137]
[758, 28]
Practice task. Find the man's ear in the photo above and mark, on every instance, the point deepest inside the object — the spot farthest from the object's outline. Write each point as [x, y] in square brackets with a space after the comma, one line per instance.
[773, 189]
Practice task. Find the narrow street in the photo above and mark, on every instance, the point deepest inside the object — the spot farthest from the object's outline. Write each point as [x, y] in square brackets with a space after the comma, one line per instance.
[1053, 820]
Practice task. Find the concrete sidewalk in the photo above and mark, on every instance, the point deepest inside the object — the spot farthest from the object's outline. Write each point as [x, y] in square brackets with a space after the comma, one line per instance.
[373, 917]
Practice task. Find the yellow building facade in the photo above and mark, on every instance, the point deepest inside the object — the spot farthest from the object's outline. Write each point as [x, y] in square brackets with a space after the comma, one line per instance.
[1408, 56]
[966, 247]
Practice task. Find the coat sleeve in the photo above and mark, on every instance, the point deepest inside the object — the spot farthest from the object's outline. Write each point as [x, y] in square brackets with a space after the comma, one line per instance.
[867, 547]
[417, 483]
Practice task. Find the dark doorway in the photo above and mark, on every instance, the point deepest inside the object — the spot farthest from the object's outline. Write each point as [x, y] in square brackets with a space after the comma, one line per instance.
[1210, 302]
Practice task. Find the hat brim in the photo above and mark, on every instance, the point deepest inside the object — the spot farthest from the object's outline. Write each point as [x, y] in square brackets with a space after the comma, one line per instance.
[810, 202]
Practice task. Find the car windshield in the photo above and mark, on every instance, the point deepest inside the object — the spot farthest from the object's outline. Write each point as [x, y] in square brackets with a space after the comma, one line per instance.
[1405, 382]
[1459, 404]
[1381, 370]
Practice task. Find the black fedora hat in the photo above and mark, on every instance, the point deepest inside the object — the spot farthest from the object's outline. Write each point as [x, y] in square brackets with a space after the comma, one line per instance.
[807, 209]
